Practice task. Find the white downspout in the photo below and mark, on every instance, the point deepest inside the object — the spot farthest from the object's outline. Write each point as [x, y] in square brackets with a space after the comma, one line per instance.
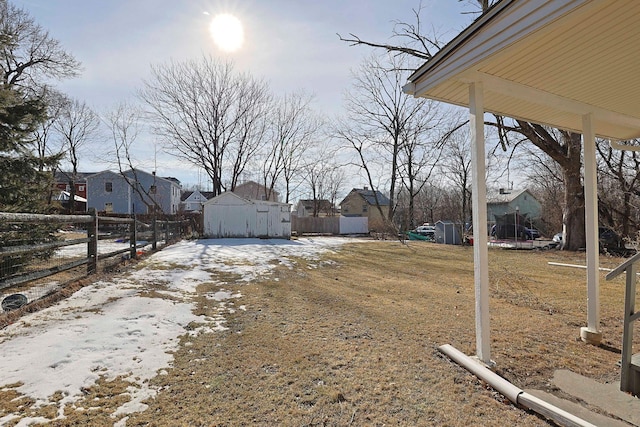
[591, 334]
[479, 211]
[511, 392]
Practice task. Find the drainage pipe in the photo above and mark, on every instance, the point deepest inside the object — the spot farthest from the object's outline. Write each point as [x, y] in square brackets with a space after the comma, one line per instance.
[513, 393]
[559, 264]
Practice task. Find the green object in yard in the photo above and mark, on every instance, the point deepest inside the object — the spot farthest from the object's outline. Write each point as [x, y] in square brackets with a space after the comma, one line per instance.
[416, 236]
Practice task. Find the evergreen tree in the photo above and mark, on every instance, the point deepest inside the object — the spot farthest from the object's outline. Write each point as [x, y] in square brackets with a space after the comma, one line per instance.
[22, 187]
[29, 58]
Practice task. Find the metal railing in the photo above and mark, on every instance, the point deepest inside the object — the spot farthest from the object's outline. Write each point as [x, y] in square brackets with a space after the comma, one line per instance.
[630, 364]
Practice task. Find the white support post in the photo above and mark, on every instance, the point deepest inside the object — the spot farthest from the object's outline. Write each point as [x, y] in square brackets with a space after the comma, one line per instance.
[479, 210]
[591, 333]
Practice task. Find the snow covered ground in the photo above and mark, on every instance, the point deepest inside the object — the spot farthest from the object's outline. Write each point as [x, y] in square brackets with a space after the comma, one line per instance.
[69, 253]
[107, 329]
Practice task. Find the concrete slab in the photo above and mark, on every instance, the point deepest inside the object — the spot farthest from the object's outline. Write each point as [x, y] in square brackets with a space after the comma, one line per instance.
[578, 410]
[606, 397]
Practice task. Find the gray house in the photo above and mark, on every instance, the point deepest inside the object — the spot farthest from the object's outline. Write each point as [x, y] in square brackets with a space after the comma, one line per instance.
[133, 191]
[192, 201]
[504, 201]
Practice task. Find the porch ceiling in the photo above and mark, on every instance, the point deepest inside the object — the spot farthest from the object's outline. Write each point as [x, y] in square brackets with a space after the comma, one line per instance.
[547, 62]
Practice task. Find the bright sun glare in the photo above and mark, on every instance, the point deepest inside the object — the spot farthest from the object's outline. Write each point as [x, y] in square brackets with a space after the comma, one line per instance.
[227, 32]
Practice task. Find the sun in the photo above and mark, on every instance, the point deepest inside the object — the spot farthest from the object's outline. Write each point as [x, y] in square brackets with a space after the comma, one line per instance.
[227, 32]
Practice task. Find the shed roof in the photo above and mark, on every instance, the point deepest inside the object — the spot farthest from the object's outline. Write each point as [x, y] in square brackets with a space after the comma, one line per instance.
[547, 62]
[229, 197]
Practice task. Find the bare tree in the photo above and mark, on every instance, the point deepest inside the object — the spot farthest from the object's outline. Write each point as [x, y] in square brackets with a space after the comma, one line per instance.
[77, 125]
[46, 142]
[209, 115]
[379, 111]
[547, 185]
[563, 147]
[456, 166]
[419, 153]
[354, 136]
[324, 177]
[619, 187]
[416, 43]
[124, 126]
[293, 128]
[428, 201]
[28, 55]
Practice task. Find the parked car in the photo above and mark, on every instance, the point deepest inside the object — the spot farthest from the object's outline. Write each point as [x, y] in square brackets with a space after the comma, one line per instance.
[609, 240]
[426, 230]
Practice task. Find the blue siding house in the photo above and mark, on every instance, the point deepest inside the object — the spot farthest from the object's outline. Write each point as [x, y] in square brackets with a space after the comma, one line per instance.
[132, 191]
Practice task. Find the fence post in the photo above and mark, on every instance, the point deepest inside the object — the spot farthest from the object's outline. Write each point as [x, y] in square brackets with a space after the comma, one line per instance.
[92, 245]
[133, 239]
[166, 232]
[154, 235]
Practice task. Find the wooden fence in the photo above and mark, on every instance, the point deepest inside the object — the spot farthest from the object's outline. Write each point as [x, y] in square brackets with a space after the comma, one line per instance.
[335, 225]
[75, 245]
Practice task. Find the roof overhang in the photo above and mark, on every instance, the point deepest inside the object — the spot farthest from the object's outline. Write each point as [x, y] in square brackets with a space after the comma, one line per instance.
[549, 62]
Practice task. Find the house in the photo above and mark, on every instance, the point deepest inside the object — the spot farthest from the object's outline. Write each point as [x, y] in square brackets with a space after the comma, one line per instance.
[513, 61]
[253, 191]
[229, 215]
[63, 198]
[132, 191]
[362, 202]
[310, 207]
[192, 201]
[63, 182]
[503, 202]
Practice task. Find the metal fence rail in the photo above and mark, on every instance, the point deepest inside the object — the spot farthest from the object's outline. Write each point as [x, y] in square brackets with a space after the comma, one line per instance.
[39, 254]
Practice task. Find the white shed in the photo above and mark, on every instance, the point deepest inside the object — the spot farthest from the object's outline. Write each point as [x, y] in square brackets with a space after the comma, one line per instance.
[229, 215]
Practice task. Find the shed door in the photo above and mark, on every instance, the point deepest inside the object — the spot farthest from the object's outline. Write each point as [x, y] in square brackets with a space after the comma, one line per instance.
[262, 223]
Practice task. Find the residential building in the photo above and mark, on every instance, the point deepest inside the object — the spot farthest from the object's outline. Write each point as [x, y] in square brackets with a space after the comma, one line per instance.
[310, 207]
[503, 201]
[362, 202]
[253, 191]
[64, 179]
[192, 201]
[63, 197]
[133, 191]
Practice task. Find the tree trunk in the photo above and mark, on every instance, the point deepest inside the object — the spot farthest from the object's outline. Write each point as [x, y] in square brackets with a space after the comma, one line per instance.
[72, 196]
[566, 150]
[573, 211]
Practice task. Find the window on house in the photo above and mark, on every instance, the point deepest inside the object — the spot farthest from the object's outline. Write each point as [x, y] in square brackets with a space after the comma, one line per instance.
[80, 187]
[108, 207]
[152, 189]
[108, 187]
[364, 208]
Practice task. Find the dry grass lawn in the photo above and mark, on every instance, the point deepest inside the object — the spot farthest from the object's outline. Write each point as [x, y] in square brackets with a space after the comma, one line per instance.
[352, 341]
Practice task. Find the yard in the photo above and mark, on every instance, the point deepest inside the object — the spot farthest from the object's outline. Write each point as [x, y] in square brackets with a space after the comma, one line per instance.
[306, 332]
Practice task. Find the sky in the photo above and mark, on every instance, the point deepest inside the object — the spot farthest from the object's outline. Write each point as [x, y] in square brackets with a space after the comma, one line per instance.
[291, 44]
[95, 332]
